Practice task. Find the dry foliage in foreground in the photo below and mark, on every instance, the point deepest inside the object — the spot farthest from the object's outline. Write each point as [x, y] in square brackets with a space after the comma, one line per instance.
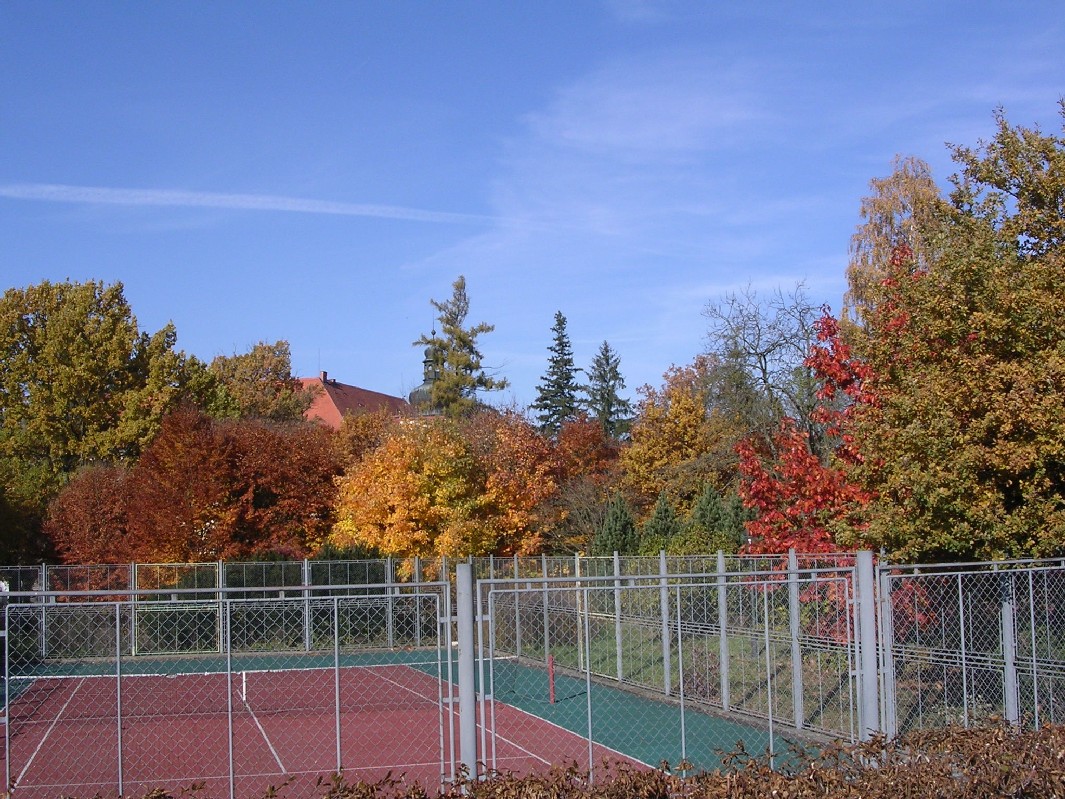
[954, 762]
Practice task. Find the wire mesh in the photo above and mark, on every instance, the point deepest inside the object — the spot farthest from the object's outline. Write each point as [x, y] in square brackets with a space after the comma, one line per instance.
[235, 694]
[665, 669]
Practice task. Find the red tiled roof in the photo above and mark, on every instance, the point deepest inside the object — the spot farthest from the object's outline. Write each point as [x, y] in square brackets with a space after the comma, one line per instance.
[335, 399]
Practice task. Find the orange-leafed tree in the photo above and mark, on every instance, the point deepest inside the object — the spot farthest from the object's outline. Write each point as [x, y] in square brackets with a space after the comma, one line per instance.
[587, 457]
[521, 480]
[420, 493]
[675, 440]
[87, 520]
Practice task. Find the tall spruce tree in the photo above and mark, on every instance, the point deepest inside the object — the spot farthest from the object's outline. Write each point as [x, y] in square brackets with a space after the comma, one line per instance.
[602, 400]
[618, 533]
[458, 360]
[556, 398]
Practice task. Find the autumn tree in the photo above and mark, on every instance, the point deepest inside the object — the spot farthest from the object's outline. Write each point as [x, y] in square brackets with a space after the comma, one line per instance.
[602, 398]
[587, 462]
[960, 329]
[521, 474]
[259, 384]
[675, 440]
[203, 490]
[420, 493]
[458, 359]
[80, 383]
[88, 519]
[798, 495]
[556, 395]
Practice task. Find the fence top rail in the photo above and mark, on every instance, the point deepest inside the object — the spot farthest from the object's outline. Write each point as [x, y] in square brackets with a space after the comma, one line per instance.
[647, 584]
[971, 567]
[769, 575]
[312, 591]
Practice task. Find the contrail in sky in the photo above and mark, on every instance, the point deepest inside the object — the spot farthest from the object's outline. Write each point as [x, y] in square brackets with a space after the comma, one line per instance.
[95, 195]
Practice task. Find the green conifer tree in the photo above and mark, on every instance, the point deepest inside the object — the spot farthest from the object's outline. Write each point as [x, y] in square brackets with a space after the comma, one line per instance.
[661, 528]
[461, 376]
[711, 526]
[556, 398]
[618, 532]
[601, 398]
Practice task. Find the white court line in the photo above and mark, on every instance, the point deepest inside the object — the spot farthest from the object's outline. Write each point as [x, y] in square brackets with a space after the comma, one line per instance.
[515, 744]
[280, 765]
[48, 732]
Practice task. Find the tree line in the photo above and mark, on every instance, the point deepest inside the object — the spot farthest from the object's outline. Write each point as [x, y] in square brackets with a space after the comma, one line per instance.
[926, 418]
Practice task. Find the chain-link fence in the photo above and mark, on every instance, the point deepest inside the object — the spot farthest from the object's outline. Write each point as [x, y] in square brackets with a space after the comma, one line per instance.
[676, 669]
[247, 675]
[973, 643]
[234, 694]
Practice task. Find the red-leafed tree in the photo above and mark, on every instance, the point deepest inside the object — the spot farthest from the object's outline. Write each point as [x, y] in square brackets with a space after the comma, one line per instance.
[800, 498]
[203, 490]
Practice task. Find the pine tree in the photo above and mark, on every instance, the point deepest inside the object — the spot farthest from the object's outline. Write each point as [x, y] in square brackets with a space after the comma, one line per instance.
[711, 527]
[461, 376]
[602, 400]
[661, 528]
[618, 533]
[557, 393]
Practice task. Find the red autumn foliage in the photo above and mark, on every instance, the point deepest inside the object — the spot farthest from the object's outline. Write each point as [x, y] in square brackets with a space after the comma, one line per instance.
[797, 496]
[204, 490]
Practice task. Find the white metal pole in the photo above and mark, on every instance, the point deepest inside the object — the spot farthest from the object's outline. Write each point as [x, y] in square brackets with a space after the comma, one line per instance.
[617, 616]
[1011, 698]
[467, 687]
[663, 599]
[868, 691]
[796, 647]
[722, 626]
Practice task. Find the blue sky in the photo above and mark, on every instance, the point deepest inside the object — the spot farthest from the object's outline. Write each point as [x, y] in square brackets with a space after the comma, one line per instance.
[317, 171]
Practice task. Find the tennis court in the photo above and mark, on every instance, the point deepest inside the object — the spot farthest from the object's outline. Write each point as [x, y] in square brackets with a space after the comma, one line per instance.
[87, 733]
[240, 695]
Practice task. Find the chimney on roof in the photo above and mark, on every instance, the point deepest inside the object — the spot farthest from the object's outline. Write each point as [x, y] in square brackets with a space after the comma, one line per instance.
[324, 375]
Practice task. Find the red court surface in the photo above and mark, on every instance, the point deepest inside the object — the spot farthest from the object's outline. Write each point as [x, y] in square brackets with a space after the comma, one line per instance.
[176, 733]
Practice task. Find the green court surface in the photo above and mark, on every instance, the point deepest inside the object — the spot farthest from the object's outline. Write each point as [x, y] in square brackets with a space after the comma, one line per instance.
[631, 721]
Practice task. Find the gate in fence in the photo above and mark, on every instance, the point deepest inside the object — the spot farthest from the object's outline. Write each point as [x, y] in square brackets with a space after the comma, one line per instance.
[120, 695]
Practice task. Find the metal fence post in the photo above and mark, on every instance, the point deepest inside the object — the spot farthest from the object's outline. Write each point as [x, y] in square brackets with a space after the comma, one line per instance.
[663, 595]
[868, 691]
[547, 618]
[1011, 694]
[617, 616]
[889, 711]
[796, 647]
[226, 643]
[389, 604]
[307, 637]
[517, 611]
[722, 626]
[118, 688]
[220, 582]
[336, 677]
[467, 687]
[580, 614]
[418, 601]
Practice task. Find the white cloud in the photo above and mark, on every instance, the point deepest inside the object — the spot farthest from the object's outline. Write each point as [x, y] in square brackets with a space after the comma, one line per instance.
[98, 195]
